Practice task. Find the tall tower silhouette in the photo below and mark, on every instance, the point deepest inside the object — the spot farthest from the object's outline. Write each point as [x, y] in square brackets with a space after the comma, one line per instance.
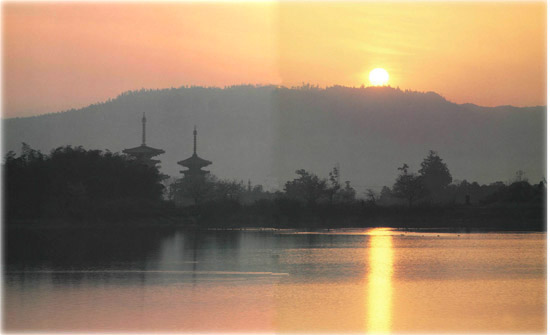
[194, 164]
[143, 153]
[143, 121]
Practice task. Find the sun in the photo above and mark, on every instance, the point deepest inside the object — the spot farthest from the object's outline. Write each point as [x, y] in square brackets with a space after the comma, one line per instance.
[379, 77]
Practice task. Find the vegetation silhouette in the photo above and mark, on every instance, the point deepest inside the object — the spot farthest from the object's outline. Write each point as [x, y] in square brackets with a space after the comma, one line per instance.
[434, 175]
[74, 185]
[408, 186]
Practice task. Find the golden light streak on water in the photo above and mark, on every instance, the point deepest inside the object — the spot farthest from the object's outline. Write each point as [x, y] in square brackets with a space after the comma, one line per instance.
[379, 283]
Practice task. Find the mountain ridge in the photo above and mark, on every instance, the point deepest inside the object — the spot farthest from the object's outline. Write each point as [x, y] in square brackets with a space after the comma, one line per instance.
[265, 132]
[467, 104]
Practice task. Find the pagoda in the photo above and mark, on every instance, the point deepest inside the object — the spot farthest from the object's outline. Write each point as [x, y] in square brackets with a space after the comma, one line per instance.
[194, 164]
[143, 153]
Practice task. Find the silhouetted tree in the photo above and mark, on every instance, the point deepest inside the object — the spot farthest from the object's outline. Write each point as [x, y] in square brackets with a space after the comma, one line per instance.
[371, 195]
[210, 188]
[347, 194]
[408, 186]
[170, 188]
[228, 190]
[334, 183]
[198, 189]
[434, 174]
[74, 181]
[386, 196]
[307, 187]
[517, 192]
[256, 193]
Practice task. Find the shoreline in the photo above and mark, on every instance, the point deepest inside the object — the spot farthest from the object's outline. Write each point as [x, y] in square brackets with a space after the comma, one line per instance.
[456, 218]
[170, 225]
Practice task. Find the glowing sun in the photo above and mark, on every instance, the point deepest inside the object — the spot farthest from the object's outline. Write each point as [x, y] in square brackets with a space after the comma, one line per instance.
[379, 77]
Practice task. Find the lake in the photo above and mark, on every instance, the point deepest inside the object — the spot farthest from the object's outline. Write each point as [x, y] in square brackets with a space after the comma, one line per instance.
[355, 281]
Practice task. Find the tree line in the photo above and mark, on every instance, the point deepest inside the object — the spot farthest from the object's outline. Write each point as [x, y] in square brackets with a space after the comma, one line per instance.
[72, 182]
[431, 185]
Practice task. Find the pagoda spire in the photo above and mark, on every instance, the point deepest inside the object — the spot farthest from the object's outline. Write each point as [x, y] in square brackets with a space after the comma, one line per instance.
[143, 121]
[195, 141]
[143, 153]
[194, 164]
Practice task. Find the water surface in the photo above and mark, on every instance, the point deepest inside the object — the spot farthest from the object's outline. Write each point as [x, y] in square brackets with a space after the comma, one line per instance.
[357, 281]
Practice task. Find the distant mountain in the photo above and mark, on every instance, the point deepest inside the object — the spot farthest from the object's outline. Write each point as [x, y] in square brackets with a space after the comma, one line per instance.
[265, 133]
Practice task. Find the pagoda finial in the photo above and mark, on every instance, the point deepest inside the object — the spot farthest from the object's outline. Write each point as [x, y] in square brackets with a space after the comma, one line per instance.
[195, 140]
[143, 121]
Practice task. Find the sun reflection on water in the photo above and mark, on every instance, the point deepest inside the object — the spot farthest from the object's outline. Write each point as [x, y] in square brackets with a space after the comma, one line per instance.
[379, 282]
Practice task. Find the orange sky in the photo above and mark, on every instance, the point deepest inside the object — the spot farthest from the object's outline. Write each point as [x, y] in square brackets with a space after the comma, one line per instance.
[65, 55]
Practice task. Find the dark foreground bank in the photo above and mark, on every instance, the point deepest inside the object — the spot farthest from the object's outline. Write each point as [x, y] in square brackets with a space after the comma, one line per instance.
[291, 215]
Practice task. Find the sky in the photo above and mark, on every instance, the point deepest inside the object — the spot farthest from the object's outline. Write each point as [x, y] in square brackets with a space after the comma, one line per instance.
[58, 56]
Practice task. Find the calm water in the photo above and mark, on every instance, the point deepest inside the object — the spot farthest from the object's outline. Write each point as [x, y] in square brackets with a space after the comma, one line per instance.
[280, 281]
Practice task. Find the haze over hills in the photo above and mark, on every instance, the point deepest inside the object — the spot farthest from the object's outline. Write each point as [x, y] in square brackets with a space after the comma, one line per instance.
[265, 133]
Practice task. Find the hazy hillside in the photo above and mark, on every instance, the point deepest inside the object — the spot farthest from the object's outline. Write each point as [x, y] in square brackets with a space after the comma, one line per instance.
[265, 133]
